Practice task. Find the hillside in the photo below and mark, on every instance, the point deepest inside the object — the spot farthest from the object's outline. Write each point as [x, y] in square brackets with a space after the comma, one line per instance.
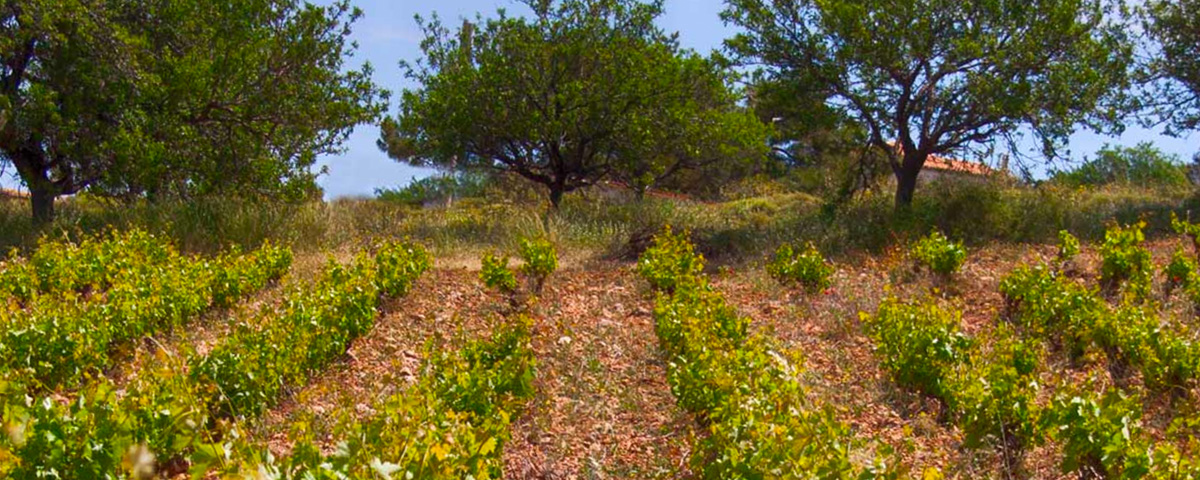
[597, 393]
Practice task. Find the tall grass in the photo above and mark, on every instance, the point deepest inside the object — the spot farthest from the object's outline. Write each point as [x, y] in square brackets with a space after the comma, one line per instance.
[605, 223]
[201, 225]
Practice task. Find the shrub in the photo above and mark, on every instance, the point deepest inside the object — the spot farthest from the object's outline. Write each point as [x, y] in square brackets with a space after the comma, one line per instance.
[245, 373]
[242, 274]
[1191, 288]
[711, 377]
[939, 254]
[806, 267]
[398, 266]
[918, 343]
[496, 274]
[1179, 272]
[995, 398]
[540, 261]
[1048, 305]
[965, 209]
[60, 338]
[480, 377]
[91, 265]
[764, 426]
[978, 212]
[18, 282]
[1125, 263]
[1133, 336]
[1143, 165]
[1101, 435]
[1187, 229]
[670, 260]
[1068, 246]
[697, 318]
[1172, 463]
[701, 334]
[98, 432]
[436, 188]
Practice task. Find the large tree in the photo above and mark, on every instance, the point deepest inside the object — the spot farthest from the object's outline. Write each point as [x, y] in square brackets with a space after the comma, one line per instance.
[67, 77]
[156, 98]
[930, 77]
[1174, 69]
[576, 92]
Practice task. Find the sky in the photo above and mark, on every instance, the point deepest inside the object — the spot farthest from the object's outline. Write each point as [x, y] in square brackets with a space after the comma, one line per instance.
[387, 33]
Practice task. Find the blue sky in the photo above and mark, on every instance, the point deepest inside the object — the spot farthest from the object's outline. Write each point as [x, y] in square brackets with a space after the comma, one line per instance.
[387, 34]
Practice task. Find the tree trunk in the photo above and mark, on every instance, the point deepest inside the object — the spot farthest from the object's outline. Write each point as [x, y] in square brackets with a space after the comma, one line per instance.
[556, 195]
[41, 199]
[35, 174]
[906, 185]
[906, 181]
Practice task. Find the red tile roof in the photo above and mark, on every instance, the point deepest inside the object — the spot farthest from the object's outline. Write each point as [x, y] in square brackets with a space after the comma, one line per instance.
[936, 162]
[947, 164]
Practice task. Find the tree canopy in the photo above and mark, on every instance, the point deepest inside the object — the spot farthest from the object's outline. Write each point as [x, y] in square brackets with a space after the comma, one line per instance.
[577, 92]
[153, 98]
[929, 77]
[1142, 165]
[1174, 26]
[805, 127]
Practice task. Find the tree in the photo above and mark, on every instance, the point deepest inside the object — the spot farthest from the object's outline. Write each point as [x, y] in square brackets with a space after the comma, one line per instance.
[811, 141]
[1174, 71]
[699, 140]
[1143, 165]
[932, 77]
[805, 128]
[173, 98]
[66, 79]
[579, 91]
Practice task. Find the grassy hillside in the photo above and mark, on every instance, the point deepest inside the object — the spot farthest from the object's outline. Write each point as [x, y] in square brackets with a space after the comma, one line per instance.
[596, 375]
[600, 223]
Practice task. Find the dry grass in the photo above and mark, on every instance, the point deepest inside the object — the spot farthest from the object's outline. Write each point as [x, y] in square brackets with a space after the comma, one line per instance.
[603, 408]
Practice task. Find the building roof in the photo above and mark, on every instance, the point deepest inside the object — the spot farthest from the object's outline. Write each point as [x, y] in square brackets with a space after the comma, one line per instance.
[946, 164]
[953, 165]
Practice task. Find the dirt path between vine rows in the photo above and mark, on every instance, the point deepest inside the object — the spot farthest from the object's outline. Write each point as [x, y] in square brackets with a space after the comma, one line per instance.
[602, 408]
[445, 302]
[840, 369]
